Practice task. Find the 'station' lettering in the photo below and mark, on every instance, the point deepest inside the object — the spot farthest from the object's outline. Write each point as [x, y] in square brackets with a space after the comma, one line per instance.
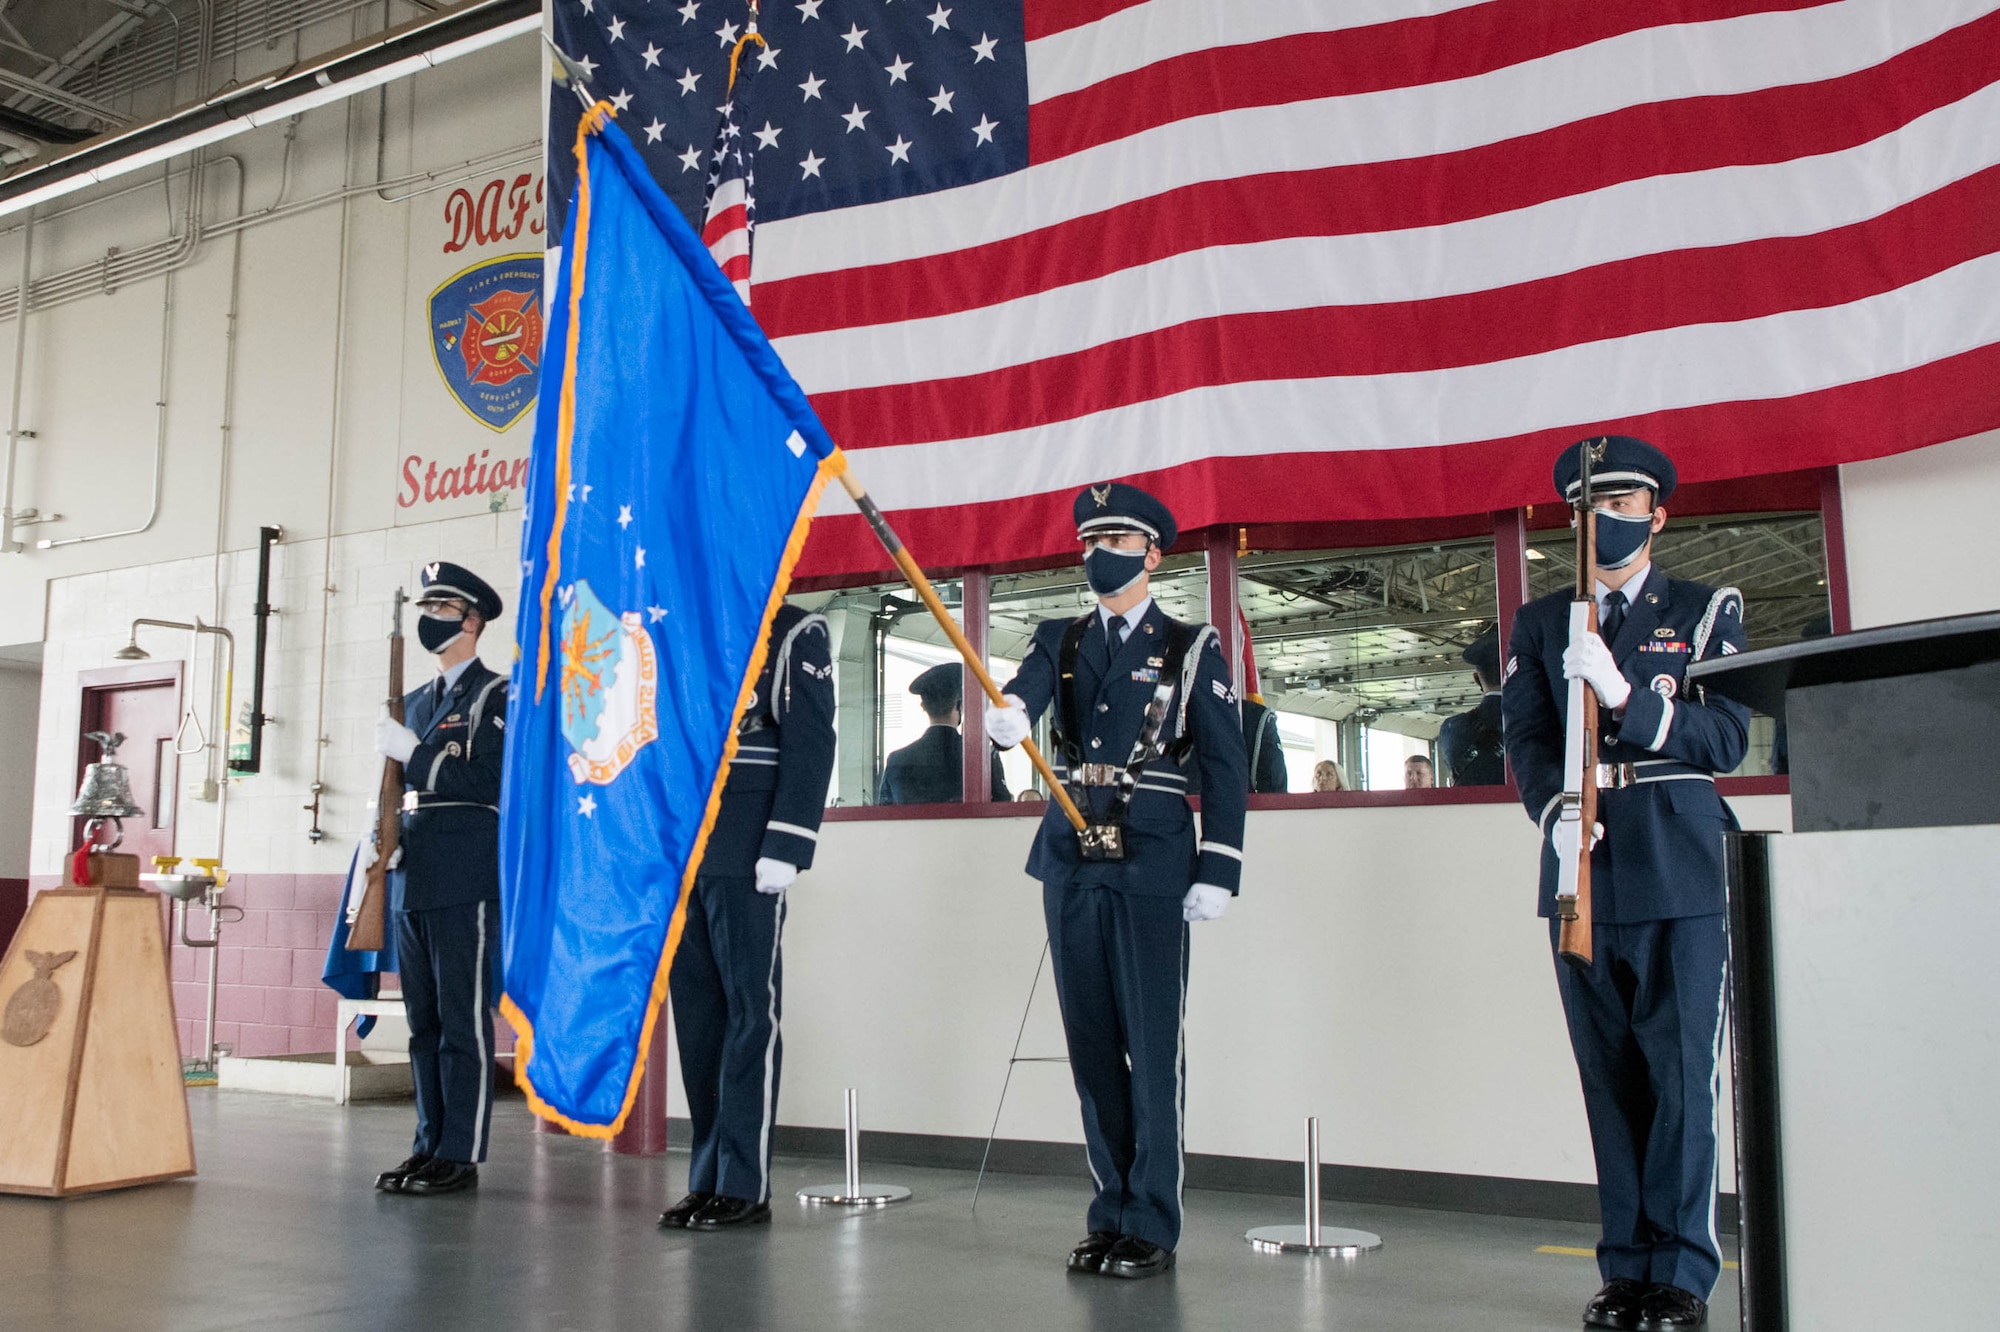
[425, 482]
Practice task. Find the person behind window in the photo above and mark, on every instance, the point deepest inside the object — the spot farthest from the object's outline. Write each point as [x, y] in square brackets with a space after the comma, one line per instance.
[1267, 751]
[1471, 744]
[932, 771]
[1327, 776]
[1645, 1016]
[1418, 775]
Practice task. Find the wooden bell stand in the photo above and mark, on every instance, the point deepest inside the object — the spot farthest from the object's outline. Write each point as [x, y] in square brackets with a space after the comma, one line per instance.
[90, 1064]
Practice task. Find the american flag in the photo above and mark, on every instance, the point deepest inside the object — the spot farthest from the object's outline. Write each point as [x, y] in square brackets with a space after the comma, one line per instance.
[1299, 260]
[730, 213]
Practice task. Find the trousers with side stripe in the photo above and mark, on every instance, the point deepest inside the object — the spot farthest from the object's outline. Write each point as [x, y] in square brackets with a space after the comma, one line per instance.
[1645, 1021]
[447, 958]
[1121, 965]
[727, 984]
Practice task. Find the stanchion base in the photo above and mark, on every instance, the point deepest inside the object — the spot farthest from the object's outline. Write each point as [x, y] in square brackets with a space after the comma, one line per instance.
[1336, 1240]
[836, 1195]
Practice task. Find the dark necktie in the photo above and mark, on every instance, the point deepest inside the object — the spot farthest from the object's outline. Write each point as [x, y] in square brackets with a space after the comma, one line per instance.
[437, 695]
[1114, 638]
[1614, 617]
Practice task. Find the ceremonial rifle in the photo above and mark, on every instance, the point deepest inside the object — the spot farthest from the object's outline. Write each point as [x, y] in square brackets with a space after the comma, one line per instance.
[365, 930]
[1578, 816]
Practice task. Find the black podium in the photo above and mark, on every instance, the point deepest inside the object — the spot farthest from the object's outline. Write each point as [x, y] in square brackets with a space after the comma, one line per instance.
[1862, 986]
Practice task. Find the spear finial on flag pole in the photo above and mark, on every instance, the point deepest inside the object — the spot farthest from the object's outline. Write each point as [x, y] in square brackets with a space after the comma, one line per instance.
[568, 72]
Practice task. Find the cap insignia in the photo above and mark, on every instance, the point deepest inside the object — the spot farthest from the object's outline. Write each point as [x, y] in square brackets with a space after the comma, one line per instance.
[1102, 494]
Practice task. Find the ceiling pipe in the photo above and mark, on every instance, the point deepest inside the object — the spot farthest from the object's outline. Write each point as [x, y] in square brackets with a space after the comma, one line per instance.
[415, 46]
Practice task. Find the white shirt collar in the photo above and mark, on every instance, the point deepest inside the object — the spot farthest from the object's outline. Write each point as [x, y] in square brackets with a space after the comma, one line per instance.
[450, 677]
[1131, 617]
[1631, 588]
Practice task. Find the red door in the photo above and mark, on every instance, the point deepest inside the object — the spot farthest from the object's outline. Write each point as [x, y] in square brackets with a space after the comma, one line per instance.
[147, 711]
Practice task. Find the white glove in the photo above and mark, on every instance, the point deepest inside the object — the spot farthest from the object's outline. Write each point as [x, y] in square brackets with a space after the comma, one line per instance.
[1596, 833]
[370, 853]
[1008, 726]
[1204, 901]
[774, 876]
[393, 739]
[1591, 661]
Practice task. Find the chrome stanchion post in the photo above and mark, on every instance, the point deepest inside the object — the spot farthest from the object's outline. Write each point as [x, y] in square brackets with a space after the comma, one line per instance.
[853, 1148]
[852, 1192]
[1312, 1180]
[1312, 1237]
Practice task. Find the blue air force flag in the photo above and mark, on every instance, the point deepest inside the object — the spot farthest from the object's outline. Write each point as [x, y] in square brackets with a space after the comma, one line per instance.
[674, 472]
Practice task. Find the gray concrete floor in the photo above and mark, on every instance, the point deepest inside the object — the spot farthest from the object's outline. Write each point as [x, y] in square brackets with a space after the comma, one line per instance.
[282, 1230]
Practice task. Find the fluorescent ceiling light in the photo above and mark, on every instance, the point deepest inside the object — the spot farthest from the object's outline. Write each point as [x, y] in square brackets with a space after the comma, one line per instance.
[316, 88]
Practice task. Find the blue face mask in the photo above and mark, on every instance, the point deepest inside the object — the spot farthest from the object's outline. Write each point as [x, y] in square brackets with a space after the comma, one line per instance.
[1110, 572]
[1621, 536]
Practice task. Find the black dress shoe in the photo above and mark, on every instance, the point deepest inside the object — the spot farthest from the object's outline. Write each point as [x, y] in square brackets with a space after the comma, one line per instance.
[442, 1176]
[677, 1216]
[723, 1212]
[1132, 1259]
[391, 1181]
[1088, 1255]
[1669, 1307]
[1617, 1305]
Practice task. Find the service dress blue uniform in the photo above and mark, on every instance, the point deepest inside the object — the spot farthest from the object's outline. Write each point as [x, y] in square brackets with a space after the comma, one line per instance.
[1645, 1018]
[1266, 749]
[445, 894]
[930, 771]
[727, 978]
[1117, 939]
[1472, 746]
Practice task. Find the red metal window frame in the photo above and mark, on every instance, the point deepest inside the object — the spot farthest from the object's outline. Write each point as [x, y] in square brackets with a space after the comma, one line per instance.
[1509, 527]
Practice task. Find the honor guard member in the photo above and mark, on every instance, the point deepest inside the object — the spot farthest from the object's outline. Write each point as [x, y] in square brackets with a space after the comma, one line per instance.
[444, 885]
[1138, 699]
[932, 771]
[1645, 1017]
[1472, 744]
[727, 979]
[1266, 750]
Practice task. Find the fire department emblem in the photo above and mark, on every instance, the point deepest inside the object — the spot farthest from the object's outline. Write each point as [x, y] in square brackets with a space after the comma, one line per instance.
[486, 335]
[610, 680]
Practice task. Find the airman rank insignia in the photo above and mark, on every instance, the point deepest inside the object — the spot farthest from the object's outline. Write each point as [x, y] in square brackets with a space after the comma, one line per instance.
[1665, 686]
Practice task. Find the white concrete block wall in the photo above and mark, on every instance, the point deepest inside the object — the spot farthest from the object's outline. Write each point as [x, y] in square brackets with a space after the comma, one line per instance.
[89, 618]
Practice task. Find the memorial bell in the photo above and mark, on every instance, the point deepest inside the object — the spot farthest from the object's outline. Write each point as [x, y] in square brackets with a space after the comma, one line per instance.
[107, 790]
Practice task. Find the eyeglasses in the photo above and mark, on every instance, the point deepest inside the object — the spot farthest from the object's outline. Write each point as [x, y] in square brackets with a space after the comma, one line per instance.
[443, 610]
[1122, 541]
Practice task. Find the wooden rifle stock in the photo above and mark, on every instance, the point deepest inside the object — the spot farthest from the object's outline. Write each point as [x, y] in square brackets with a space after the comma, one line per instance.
[1577, 818]
[366, 931]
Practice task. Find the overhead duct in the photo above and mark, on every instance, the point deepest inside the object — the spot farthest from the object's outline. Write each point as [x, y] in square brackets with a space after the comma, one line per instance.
[333, 77]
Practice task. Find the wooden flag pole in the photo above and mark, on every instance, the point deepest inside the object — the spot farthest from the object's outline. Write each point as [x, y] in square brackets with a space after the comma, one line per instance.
[912, 571]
